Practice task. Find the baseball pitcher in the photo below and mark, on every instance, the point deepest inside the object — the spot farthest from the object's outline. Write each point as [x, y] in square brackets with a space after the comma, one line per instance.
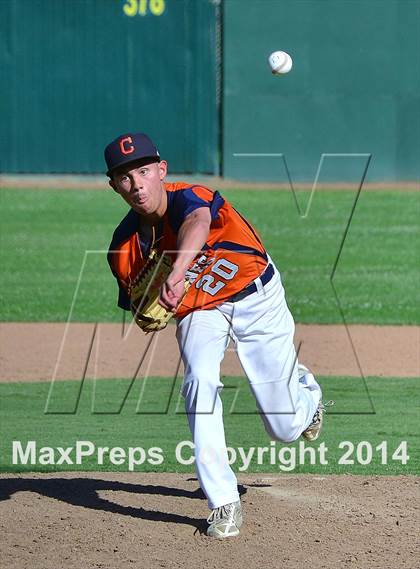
[183, 251]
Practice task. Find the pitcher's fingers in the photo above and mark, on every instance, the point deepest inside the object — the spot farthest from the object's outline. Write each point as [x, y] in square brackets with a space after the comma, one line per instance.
[165, 299]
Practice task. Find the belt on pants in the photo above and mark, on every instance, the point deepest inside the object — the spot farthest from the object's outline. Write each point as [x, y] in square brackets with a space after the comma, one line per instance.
[251, 288]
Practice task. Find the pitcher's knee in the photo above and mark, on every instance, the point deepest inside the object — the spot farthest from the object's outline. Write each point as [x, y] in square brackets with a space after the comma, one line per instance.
[200, 393]
[202, 370]
[285, 428]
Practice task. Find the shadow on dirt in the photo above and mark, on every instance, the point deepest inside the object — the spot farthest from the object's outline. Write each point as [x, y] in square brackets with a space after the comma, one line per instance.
[84, 492]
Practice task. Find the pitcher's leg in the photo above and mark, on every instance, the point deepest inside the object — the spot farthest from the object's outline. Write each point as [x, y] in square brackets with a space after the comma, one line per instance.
[203, 337]
[264, 328]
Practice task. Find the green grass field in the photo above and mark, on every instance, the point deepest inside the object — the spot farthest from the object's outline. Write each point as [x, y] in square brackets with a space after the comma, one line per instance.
[44, 236]
[393, 418]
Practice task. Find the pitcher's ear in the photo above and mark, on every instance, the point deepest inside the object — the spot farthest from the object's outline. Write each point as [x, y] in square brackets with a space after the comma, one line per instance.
[163, 169]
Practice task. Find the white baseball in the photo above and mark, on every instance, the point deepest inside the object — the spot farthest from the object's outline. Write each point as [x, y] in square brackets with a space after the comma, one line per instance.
[280, 62]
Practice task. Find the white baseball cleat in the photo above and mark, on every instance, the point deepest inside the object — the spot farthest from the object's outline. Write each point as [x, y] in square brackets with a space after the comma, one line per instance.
[225, 521]
[312, 432]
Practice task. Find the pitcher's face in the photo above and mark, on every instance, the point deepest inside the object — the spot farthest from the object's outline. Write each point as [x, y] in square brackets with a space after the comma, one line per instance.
[141, 186]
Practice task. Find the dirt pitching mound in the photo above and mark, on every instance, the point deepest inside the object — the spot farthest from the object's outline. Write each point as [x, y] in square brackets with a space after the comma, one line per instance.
[114, 520]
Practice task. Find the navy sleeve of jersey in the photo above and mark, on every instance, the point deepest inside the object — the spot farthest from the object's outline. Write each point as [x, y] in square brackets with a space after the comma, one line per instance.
[183, 202]
[123, 299]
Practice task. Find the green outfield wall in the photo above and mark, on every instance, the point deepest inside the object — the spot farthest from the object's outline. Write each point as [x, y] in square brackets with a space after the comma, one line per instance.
[77, 73]
[193, 74]
[354, 88]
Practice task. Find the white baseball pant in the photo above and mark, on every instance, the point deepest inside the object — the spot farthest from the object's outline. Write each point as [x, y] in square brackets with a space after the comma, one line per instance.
[262, 330]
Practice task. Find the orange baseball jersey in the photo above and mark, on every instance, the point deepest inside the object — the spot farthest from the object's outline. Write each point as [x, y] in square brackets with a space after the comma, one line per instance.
[232, 257]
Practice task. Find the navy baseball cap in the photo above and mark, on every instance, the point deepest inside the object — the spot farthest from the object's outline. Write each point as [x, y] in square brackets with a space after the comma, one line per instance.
[129, 147]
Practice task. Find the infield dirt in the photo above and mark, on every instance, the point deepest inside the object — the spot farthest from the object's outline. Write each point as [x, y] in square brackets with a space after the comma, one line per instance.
[382, 351]
[113, 520]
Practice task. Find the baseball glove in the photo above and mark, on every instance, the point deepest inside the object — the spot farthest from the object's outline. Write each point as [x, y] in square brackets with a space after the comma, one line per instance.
[149, 315]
